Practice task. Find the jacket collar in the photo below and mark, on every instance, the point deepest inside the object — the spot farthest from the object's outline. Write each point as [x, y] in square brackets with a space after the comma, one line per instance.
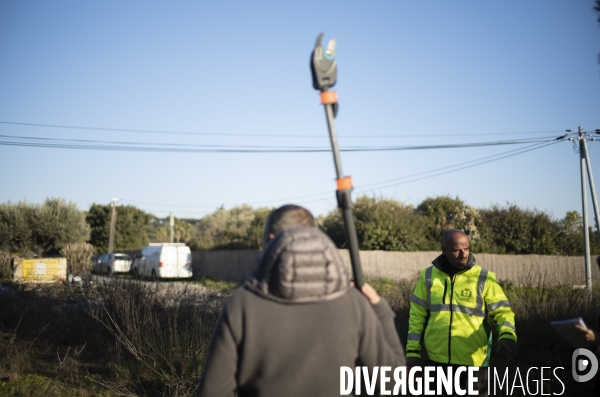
[442, 263]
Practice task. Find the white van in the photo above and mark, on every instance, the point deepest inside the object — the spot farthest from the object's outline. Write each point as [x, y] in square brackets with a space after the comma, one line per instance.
[163, 260]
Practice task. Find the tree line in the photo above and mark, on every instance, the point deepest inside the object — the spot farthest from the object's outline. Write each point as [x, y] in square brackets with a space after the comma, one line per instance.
[385, 224]
[51, 228]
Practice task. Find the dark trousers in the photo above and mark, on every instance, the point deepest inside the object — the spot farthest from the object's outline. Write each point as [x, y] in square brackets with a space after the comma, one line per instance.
[480, 385]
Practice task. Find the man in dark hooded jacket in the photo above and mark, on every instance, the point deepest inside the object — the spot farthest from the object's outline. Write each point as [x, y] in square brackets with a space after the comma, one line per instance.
[297, 320]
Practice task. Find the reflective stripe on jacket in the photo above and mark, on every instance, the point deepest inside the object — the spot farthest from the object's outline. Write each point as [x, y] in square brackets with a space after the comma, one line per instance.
[456, 313]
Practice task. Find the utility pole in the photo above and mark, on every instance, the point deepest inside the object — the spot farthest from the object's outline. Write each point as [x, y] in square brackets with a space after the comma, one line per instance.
[584, 162]
[586, 237]
[172, 223]
[113, 219]
[592, 187]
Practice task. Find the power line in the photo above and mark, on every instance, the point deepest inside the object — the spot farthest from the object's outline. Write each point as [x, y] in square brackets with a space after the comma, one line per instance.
[474, 162]
[465, 167]
[168, 132]
[127, 144]
[445, 170]
[404, 179]
[41, 142]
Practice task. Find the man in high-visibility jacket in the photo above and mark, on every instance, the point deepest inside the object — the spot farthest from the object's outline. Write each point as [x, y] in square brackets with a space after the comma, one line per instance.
[452, 309]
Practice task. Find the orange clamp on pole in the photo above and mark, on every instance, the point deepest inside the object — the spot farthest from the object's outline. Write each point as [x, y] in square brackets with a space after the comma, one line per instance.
[329, 97]
[344, 183]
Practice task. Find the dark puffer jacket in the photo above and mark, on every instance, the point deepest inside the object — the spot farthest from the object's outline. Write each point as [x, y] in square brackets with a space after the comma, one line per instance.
[295, 323]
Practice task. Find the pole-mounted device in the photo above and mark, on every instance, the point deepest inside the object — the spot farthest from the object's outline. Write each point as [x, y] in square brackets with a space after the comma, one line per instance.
[324, 75]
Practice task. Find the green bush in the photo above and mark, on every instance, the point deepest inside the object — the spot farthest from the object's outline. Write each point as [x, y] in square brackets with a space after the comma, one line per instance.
[443, 213]
[238, 228]
[130, 227]
[386, 224]
[381, 224]
[41, 228]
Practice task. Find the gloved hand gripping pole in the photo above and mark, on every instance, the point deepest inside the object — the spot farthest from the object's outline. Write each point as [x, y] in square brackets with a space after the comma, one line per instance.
[324, 74]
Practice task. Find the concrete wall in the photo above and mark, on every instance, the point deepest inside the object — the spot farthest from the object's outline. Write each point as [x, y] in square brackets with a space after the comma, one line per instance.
[520, 269]
[224, 265]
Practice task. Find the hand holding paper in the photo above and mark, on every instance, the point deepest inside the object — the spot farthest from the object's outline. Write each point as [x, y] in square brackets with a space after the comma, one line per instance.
[588, 334]
[576, 332]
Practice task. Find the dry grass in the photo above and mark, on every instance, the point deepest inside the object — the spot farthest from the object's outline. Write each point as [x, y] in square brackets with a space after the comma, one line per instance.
[129, 338]
[120, 337]
[535, 305]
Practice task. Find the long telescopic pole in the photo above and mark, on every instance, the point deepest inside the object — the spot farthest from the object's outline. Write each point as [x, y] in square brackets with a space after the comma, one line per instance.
[333, 139]
[344, 187]
[324, 75]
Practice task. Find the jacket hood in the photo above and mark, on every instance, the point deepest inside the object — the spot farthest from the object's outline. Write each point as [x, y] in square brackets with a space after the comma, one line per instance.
[300, 265]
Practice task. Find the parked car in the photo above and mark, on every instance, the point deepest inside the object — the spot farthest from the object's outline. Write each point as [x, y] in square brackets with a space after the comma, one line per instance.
[112, 263]
[163, 260]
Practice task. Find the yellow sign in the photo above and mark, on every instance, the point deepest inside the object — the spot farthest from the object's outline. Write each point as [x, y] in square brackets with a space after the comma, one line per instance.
[42, 269]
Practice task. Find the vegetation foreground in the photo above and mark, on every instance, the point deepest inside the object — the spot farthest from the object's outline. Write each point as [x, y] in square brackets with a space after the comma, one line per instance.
[118, 337]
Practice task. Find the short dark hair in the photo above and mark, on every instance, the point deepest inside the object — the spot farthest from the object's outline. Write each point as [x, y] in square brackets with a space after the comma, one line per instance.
[287, 217]
[447, 236]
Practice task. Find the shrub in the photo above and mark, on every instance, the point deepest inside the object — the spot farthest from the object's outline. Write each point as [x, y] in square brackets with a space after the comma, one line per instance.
[381, 224]
[41, 228]
[79, 257]
[238, 228]
[443, 213]
[6, 270]
[130, 227]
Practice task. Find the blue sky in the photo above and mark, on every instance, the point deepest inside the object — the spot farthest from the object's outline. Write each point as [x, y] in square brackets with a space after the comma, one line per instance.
[236, 73]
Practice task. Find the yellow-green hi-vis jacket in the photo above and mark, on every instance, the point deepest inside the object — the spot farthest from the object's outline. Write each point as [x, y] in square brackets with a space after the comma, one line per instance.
[453, 315]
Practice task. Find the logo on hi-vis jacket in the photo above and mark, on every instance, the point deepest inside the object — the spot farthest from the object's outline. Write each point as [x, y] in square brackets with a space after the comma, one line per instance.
[465, 295]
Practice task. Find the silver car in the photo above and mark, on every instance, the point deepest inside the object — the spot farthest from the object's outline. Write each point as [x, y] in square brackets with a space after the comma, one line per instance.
[112, 263]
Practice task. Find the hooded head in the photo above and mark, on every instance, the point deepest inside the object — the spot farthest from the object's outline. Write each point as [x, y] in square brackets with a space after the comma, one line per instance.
[286, 217]
[300, 265]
